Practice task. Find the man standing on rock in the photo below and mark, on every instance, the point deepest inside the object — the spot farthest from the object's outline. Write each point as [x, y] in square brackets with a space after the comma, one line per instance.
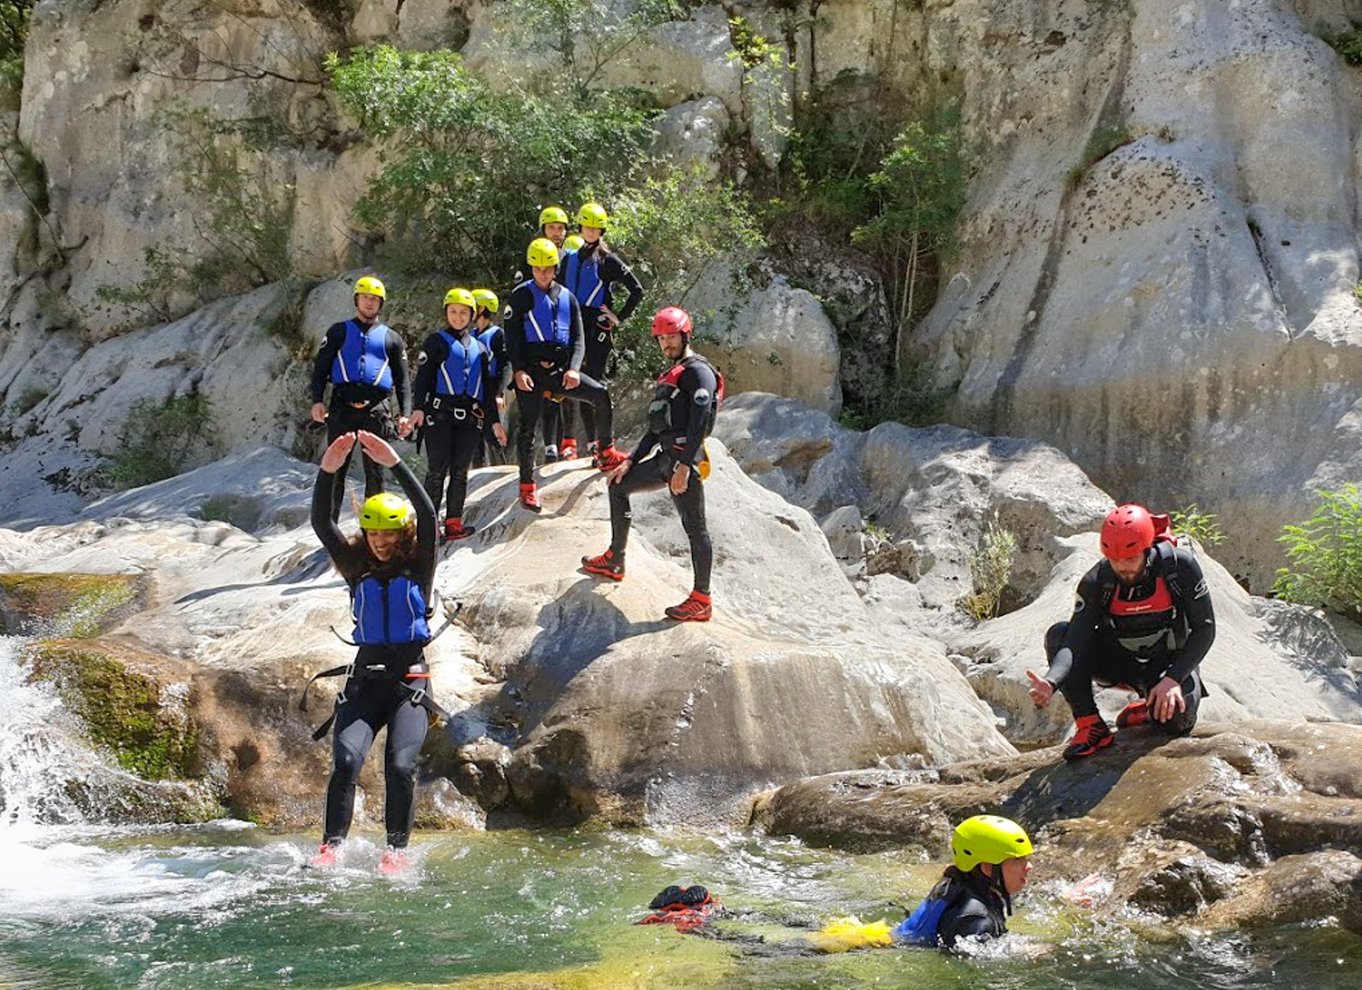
[365, 363]
[681, 415]
[1143, 619]
[545, 344]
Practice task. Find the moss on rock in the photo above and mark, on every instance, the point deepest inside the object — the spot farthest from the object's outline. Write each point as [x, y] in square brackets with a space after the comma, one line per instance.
[64, 604]
[131, 713]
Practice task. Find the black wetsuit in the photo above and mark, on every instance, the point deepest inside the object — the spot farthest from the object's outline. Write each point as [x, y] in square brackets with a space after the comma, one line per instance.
[975, 909]
[679, 418]
[358, 405]
[494, 338]
[374, 695]
[599, 333]
[1136, 635]
[454, 424]
[545, 361]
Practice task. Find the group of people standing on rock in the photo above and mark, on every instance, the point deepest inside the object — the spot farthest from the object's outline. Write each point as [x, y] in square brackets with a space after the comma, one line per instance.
[553, 350]
[1142, 619]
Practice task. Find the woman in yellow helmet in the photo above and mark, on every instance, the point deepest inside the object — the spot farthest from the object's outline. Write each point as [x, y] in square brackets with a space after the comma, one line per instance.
[991, 862]
[390, 570]
[455, 399]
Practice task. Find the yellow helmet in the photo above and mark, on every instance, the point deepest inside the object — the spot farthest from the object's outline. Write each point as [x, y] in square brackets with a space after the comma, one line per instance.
[574, 242]
[385, 511]
[487, 299]
[988, 839]
[461, 297]
[543, 253]
[368, 285]
[552, 214]
[592, 215]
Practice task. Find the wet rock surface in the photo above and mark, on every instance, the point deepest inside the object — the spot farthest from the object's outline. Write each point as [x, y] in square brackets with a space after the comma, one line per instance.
[1235, 825]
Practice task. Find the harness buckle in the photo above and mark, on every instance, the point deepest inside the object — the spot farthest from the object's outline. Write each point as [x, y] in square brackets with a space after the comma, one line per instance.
[459, 413]
[418, 695]
[603, 336]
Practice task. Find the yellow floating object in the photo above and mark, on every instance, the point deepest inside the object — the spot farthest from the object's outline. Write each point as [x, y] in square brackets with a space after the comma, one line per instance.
[845, 934]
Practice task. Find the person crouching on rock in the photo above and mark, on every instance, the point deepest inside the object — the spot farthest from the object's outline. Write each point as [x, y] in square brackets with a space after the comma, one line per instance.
[454, 393]
[546, 347]
[973, 900]
[390, 569]
[1143, 619]
[681, 415]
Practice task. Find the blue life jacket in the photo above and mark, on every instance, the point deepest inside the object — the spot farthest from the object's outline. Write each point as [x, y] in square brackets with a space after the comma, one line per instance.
[487, 338]
[363, 358]
[548, 322]
[389, 612]
[461, 372]
[920, 927]
[583, 280]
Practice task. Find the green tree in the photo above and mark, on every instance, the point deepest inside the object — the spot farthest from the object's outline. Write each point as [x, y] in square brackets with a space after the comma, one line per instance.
[1326, 555]
[14, 16]
[920, 189]
[466, 169]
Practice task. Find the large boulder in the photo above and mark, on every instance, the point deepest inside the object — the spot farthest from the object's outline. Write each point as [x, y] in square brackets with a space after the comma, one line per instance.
[1253, 824]
[932, 491]
[572, 698]
[768, 336]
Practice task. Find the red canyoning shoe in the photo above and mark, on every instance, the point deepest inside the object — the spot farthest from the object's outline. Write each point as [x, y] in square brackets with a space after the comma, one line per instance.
[328, 857]
[606, 565]
[1090, 735]
[529, 496]
[455, 530]
[1133, 714]
[393, 862]
[696, 608]
[569, 451]
[610, 457]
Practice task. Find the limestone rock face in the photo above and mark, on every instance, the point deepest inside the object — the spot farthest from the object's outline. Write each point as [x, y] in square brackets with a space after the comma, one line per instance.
[775, 338]
[1253, 824]
[692, 132]
[1176, 314]
[224, 352]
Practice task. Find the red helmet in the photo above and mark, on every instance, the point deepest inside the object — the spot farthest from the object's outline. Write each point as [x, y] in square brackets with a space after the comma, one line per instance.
[671, 319]
[1127, 532]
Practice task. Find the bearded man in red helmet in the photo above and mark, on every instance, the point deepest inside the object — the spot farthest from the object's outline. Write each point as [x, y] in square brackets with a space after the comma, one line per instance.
[1143, 620]
[686, 398]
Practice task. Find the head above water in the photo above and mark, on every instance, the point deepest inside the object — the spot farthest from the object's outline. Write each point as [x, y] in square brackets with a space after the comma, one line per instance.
[997, 846]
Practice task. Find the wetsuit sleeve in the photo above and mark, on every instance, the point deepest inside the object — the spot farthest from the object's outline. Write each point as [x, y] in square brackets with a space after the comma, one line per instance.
[519, 304]
[1196, 606]
[489, 380]
[503, 362]
[397, 358]
[326, 355]
[1083, 625]
[333, 540]
[578, 336]
[700, 397]
[618, 273]
[433, 352]
[425, 523]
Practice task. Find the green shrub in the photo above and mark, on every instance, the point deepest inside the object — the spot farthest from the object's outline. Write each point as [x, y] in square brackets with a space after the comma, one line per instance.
[14, 17]
[160, 439]
[1348, 44]
[1326, 555]
[241, 511]
[465, 169]
[1200, 526]
[990, 567]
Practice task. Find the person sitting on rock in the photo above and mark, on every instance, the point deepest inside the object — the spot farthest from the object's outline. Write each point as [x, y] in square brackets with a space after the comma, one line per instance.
[365, 362]
[545, 344]
[593, 273]
[973, 900]
[454, 385]
[494, 339]
[1143, 619]
[390, 569]
[680, 416]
